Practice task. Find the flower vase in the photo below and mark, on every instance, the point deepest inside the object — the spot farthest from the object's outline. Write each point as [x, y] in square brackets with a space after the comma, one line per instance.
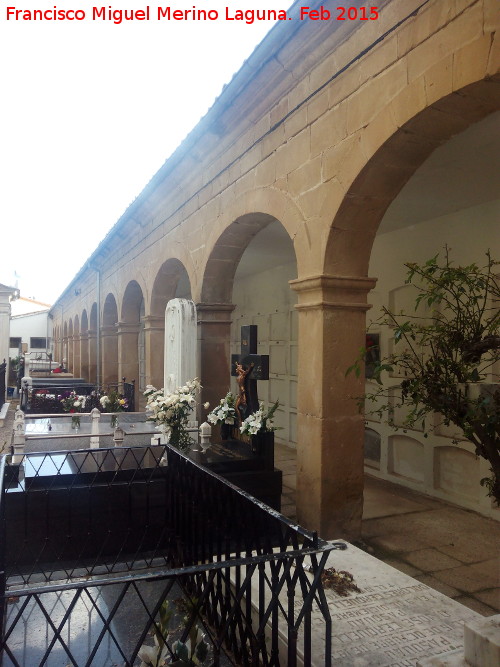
[75, 422]
[262, 445]
[226, 431]
[179, 437]
[114, 421]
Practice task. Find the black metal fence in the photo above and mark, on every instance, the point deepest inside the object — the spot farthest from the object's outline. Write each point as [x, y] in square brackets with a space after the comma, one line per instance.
[3, 371]
[117, 543]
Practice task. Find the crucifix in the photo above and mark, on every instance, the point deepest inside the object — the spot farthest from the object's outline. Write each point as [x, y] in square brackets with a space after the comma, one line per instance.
[248, 367]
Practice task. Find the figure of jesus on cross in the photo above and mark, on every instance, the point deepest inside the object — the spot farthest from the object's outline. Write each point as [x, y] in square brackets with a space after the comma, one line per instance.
[248, 367]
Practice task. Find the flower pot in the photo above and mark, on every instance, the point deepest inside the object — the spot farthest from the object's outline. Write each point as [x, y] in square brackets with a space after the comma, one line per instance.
[75, 422]
[226, 431]
[114, 421]
[262, 445]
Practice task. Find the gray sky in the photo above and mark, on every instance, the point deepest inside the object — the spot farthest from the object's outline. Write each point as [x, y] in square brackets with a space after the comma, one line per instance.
[90, 110]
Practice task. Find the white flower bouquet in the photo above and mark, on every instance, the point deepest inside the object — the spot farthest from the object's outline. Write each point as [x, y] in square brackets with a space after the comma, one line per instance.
[260, 421]
[225, 412]
[173, 409]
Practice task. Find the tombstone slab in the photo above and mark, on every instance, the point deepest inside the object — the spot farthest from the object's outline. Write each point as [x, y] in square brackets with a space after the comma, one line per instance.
[180, 343]
[394, 621]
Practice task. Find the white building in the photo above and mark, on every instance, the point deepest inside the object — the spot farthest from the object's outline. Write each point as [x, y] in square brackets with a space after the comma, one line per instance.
[29, 327]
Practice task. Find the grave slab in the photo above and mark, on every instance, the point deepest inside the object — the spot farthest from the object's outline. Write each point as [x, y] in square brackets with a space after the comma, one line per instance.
[394, 621]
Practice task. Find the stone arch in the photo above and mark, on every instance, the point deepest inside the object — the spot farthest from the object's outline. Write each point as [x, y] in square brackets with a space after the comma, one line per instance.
[215, 311]
[171, 281]
[109, 338]
[390, 167]
[225, 255]
[243, 219]
[332, 304]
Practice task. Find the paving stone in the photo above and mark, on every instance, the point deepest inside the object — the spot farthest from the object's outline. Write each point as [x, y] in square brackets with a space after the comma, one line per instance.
[465, 579]
[398, 542]
[402, 567]
[490, 598]
[475, 605]
[437, 585]
[490, 569]
[430, 560]
[484, 545]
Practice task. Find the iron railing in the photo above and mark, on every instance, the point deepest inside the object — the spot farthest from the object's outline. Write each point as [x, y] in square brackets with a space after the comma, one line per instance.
[115, 542]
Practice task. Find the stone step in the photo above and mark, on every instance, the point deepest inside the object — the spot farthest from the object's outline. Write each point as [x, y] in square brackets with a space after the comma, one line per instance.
[482, 642]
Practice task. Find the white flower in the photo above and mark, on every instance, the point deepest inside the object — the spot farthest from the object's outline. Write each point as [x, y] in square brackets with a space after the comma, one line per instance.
[151, 656]
[206, 405]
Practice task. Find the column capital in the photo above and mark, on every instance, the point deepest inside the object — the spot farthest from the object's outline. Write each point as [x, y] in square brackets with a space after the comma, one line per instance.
[214, 313]
[127, 327]
[152, 322]
[332, 292]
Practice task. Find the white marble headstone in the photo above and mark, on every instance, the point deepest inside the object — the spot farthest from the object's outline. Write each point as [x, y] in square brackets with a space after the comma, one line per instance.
[180, 343]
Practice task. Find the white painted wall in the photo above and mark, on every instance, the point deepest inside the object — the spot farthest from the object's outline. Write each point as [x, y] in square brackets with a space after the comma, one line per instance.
[28, 326]
[433, 465]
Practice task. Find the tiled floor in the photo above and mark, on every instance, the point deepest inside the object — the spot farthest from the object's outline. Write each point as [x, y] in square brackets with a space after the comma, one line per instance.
[453, 550]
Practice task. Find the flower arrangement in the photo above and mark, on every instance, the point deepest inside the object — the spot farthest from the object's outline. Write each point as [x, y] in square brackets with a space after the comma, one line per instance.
[260, 421]
[113, 402]
[73, 403]
[173, 409]
[225, 412]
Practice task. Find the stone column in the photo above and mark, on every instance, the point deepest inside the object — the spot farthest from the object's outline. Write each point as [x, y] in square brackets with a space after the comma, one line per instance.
[214, 340]
[330, 456]
[84, 356]
[71, 355]
[128, 354]
[65, 348]
[77, 343]
[109, 344]
[92, 355]
[154, 334]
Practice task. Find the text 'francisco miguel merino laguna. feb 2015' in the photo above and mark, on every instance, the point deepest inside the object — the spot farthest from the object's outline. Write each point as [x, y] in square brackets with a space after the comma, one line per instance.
[168, 13]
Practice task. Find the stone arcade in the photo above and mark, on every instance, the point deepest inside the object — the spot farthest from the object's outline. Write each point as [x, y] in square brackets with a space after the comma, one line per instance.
[339, 151]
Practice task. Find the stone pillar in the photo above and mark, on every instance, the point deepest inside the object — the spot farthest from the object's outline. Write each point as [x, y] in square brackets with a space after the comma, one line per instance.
[71, 355]
[64, 359]
[84, 356]
[154, 335]
[214, 356]
[109, 344]
[330, 450]
[77, 343]
[92, 356]
[128, 354]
